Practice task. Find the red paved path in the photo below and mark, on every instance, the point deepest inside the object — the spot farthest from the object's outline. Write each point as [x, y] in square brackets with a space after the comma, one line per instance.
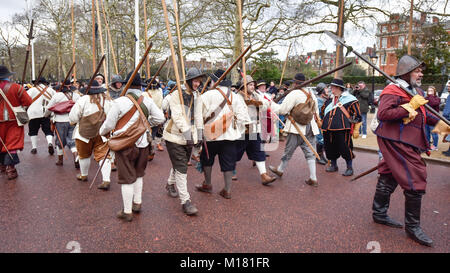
[46, 208]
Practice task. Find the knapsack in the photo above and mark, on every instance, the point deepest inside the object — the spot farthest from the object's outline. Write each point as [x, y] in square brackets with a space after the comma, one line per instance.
[304, 112]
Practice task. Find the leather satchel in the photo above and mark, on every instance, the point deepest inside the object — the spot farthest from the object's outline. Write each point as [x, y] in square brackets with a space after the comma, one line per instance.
[218, 127]
[21, 114]
[129, 137]
[63, 107]
[304, 112]
[90, 125]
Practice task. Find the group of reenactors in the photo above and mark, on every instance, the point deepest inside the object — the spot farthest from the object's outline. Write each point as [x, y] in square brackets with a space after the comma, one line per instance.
[121, 127]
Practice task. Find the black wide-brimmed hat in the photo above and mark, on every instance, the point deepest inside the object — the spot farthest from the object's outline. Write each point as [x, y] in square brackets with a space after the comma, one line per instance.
[299, 77]
[100, 75]
[116, 79]
[96, 88]
[136, 81]
[4, 72]
[217, 74]
[338, 83]
[41, 80]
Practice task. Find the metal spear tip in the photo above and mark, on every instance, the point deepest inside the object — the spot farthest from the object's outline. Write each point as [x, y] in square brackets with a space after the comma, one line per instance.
[336, 38]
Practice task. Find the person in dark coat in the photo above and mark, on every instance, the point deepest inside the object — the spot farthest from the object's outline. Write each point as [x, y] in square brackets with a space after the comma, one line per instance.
[401, 139]
[341, 112]
[433, 101]
[363, 95]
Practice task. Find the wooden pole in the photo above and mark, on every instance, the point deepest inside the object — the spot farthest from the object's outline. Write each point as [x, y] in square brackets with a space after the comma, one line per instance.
[93, 37]
[340, 34]
[136, 70]
[180, 49]
[284, 66]
[73, 48]
[231, 67]
[156, 74]
[410, 27]
[147, 60]
[109, 38]
[239, 4]
[99, 23]
[172, 50]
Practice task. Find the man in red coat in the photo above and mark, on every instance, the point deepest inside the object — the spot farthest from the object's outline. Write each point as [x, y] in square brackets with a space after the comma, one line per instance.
[401, 139]
[11, 134]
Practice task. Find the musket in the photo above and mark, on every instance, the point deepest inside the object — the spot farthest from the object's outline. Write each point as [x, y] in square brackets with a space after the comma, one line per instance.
[206, 85]
[100, 167]
[40, 73]
[99, 65]
[305, 83]
[67, 76]
[29, 36]
[136, 70]
[231, 67]
[365, 173]
[350, 49]
[157, 73]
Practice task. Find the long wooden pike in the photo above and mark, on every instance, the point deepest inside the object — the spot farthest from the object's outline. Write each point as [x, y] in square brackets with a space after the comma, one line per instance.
[29, 36]
[315, 79]
[95, 73]
[244, 70]
[284, 65]
[303, 136]
[172, 50]
[365, 173]
[180, 48]
[73, 43]
[37, 82]
[109, 37]
[67, 76]
[156, 74]
[206, 85]
[93, 36]
[136, 70]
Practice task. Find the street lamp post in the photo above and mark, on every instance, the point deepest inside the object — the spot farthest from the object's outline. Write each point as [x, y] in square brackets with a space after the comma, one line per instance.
[373, 59]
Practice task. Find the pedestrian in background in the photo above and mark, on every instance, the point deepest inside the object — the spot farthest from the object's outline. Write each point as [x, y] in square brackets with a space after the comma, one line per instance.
[363, 95]
[433, 101]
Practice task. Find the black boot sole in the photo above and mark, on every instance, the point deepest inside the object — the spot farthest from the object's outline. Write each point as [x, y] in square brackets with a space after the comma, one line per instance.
[417, 240]
[386, 223]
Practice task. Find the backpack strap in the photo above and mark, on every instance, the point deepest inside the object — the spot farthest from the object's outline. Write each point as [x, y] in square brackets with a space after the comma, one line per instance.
[124, 119]
[226, 100]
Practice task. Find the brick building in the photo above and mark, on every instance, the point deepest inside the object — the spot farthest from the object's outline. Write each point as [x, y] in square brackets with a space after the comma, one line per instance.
[393, 34]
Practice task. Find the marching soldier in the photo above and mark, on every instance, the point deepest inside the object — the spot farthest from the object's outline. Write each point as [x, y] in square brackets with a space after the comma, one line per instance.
[88, 114]
[155, 92]
[115, 87]
[307, 125]
[60, 106]
[11, 134]
[131, 159]
[250, 142]
[341, 113]
[218, 105]
[41, 94]
[181, 133]
[401, 138]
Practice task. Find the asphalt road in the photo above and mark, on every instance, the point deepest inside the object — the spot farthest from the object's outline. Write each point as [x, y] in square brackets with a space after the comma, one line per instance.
[47, 210]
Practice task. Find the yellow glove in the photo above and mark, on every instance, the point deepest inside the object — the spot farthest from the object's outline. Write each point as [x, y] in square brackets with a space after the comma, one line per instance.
[417, 101]
[412, 113]
[356, 130]
[441, 128]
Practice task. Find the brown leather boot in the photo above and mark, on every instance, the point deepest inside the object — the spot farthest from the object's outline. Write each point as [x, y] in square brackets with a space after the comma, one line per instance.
[267, 179]
[11, 172]
[275, 171]
[225, 194]
[204, 188]
[312, 182]
[136, 208]
[60, 160]
[82, 177]
[104, 186]
[125, 216]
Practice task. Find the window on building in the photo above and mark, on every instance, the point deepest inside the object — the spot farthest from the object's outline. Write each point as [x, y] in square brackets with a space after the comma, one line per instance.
[384, 29]
[383, 59]
[401, 41]
[383, 42]
[402, 26]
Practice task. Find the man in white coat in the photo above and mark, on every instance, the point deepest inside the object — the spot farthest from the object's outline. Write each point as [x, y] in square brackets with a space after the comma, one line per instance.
[41, 94]
[294, 139]
[221, 141]
[131, 161]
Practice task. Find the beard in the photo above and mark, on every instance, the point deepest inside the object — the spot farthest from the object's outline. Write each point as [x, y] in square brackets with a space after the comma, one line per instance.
[416, 82]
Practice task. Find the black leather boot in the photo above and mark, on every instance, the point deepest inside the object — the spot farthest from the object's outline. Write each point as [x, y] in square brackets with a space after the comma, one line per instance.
[413, 203]
[322, 160]
[385, 187]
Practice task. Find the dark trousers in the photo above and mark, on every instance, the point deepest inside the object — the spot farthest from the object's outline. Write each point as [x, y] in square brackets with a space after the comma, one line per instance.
[253, 148]
[225, 149]
[131, 164]
[337, 144]
[179, 156]
[37, 123]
